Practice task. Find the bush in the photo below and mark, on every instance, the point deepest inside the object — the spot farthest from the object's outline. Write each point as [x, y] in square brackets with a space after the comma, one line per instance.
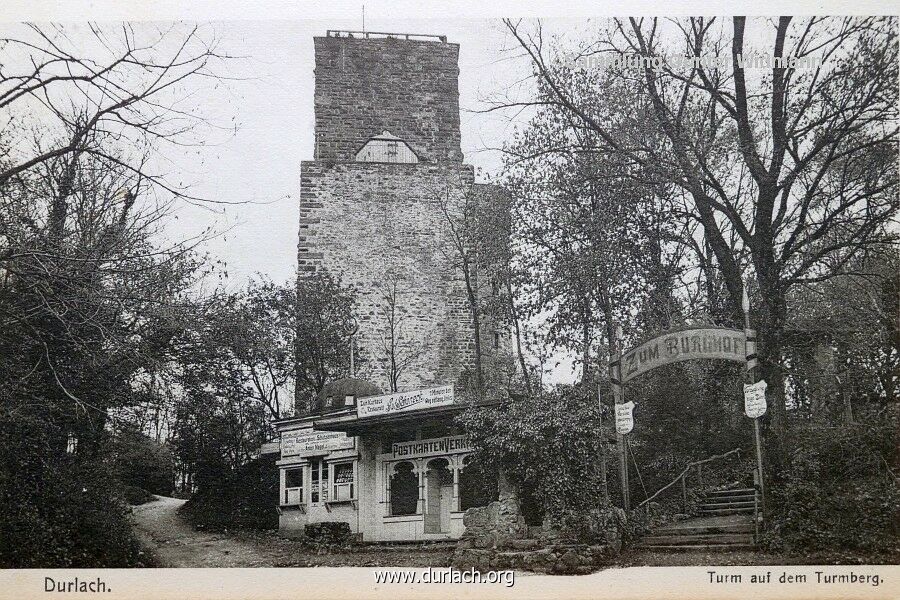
[836, 498]
[142, 463]
[547, 445]
[135, 495]
[59, 512]
[328, 536]
[244, 498]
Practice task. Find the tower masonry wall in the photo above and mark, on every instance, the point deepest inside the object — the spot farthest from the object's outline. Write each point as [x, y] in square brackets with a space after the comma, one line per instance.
[382, 230]
[388, 229]
[367, 86]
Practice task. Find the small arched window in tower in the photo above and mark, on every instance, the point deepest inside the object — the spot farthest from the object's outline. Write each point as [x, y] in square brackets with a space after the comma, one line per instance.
[386, 148]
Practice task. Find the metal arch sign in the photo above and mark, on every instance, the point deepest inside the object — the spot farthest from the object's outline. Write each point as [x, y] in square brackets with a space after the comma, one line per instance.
[687, 344]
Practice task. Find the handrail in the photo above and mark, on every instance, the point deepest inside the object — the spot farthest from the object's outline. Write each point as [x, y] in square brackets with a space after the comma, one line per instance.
[684, 472]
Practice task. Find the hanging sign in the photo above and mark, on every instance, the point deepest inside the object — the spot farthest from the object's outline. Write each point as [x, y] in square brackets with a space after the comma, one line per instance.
[755, 399]
[688, 344]
[624, 417]
[404, 401]
[306, 442]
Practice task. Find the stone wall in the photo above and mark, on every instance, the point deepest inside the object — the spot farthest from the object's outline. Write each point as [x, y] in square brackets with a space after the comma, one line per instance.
[407, 87]
[496, 538]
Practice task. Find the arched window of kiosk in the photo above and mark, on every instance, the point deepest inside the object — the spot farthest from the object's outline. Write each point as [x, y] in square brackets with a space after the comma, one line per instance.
[478, 485]
[404, 489]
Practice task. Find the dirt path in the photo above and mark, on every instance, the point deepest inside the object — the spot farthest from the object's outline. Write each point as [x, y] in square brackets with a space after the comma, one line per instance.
[175, 543]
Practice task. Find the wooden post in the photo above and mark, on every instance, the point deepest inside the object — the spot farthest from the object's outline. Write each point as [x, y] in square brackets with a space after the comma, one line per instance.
[684, 499]
[603, 450]
[751, 378]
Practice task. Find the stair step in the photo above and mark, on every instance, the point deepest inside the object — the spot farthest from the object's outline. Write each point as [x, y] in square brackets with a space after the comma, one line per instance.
[696, 547]
[745, 504]
[731, 491]
[728, 497]
[704, 530]
[710, 539]
[726, 511]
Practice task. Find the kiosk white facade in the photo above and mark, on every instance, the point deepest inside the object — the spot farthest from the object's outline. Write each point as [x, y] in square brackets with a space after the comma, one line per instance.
[391, 466]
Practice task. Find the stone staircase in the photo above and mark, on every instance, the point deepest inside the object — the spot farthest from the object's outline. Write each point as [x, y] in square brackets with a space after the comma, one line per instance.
[725, 524]
[729, 502]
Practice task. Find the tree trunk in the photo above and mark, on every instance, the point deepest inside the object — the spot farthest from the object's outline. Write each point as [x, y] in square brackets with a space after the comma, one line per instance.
[770, 351]
[514, 315]
[476, 324]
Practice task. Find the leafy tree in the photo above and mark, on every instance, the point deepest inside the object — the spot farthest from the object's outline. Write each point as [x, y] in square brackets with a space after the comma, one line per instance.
[793, 172]
[260, 334]
[143, 463]
[591, 229]
[218, 425]
[91, 295]
[547, 445]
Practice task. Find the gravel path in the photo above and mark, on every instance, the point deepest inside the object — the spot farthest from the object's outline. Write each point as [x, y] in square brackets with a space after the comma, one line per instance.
[175, 543]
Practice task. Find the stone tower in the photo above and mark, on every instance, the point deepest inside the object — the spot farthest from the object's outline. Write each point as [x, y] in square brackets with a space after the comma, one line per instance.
[379, 203]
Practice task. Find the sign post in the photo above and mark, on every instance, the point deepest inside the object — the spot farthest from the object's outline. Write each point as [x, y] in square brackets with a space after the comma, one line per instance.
[615, 378]
[754, 394]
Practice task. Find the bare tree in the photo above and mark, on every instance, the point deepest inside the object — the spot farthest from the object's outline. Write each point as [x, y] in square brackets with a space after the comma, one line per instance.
[108, 85]
[799, 166]
[463, 255]
[399, 349]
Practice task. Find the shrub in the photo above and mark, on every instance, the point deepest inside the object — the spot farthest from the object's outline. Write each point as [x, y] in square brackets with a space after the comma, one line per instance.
[243, 498]
[58, 511]
[135, 495]
[547, 445]
[327, 537]
[835, 497]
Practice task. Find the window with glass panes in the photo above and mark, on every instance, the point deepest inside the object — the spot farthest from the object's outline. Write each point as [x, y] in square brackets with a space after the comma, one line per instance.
[343, 482]
[293, 486]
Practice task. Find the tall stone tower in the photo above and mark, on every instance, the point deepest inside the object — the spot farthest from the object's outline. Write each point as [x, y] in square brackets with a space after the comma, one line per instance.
[382, 202]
